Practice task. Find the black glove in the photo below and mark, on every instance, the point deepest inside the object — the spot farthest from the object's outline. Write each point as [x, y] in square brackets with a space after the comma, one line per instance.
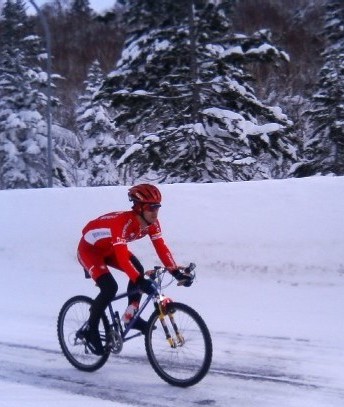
[147, 286]
[185, 279]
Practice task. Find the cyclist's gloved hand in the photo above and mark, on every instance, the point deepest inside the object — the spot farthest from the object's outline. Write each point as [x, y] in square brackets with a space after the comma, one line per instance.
[147, 286]
[185, 279]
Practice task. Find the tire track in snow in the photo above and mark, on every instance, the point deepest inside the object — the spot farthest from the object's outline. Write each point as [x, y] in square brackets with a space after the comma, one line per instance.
[47, 368]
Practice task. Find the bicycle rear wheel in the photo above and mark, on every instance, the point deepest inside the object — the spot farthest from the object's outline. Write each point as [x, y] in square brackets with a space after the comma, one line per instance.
[73, 315]
[185, 358]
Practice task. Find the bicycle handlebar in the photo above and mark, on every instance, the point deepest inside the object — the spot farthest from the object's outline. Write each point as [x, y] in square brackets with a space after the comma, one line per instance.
[160, 270]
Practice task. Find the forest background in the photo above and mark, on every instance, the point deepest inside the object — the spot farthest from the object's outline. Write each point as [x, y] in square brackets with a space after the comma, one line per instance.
[171, 91]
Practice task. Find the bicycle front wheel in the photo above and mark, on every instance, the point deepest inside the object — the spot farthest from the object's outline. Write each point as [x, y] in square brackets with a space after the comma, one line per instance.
[72, 317]
[184, 358]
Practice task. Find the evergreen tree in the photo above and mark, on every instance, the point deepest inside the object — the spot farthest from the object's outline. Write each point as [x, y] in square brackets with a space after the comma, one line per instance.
[324, 148]
[81, 8]
[182, 88]
[100, 149]
[23, 130]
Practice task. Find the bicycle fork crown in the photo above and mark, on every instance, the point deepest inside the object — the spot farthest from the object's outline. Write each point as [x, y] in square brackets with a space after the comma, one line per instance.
[164, 305]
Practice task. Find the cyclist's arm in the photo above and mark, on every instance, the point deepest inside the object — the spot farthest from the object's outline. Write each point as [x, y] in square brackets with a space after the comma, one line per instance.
[161, 248]
[164, 253]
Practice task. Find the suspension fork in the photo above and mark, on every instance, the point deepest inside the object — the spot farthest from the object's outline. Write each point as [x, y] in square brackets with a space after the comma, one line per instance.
[169, 338]
[180, 338]
[179, 341]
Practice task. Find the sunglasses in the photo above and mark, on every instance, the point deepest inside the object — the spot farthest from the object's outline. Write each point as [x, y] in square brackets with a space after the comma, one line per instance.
[151, 207]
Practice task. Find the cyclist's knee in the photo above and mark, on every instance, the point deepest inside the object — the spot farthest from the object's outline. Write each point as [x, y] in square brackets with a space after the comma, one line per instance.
[108, 286]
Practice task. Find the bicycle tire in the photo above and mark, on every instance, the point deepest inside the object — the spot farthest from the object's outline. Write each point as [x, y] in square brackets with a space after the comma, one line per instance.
[188, 363]
[72, 316]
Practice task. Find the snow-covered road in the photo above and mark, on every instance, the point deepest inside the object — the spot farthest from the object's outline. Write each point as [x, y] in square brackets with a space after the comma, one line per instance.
[247, 371]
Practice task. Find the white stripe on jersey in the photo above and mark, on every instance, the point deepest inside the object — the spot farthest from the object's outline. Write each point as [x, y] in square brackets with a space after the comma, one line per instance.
[92, 236]
[156, 237]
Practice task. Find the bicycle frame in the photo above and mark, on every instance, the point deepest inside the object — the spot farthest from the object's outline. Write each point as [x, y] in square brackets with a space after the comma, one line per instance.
[155, 274]
[142, 307]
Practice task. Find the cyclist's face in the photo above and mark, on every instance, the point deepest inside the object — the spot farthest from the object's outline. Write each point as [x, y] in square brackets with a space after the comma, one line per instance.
[150, 212]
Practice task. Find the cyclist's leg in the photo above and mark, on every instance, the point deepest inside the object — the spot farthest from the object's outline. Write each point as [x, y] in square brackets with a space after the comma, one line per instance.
[94, 263]
[108, 288]
[112, 262]
[135, 298]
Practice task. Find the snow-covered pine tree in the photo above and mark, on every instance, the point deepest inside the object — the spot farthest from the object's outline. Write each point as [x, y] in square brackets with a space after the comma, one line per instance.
[324, 147]
[100, 148]
[81, 8]
[182, 88]
[23, 129]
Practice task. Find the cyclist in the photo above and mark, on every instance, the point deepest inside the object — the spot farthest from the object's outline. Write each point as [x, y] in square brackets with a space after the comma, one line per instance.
[104, 243]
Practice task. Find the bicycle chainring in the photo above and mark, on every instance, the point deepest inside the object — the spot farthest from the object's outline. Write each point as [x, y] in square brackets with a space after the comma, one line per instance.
[115, 342]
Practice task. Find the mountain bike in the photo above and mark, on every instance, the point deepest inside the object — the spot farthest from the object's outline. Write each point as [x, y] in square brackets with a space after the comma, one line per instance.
[177, 341]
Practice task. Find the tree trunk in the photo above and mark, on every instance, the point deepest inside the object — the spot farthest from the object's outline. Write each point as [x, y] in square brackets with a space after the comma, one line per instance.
[193, 64]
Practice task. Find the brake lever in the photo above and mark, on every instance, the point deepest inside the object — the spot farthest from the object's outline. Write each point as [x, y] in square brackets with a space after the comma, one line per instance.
[190, 268]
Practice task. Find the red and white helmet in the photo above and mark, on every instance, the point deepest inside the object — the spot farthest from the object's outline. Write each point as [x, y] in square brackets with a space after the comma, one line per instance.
[144, 194]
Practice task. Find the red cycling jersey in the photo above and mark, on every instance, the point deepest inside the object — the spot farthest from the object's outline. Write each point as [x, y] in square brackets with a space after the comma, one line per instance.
[104, 242]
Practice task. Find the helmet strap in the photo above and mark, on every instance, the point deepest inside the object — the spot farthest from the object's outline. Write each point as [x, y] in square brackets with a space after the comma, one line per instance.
[138, 209]
[148, 223]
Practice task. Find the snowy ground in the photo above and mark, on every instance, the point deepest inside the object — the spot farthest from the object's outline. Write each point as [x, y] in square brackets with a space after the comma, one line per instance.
[269, 285]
